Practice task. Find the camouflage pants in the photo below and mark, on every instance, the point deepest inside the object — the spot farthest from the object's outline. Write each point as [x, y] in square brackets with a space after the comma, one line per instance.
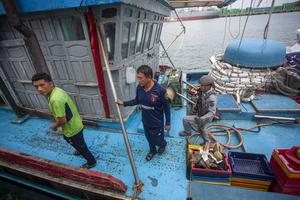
[193, 122]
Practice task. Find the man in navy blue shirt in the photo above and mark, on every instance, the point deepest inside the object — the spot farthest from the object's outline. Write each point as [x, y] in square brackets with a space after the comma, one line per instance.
[154, 103]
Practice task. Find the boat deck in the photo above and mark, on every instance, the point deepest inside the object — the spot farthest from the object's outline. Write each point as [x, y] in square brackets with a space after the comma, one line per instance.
[165, 175]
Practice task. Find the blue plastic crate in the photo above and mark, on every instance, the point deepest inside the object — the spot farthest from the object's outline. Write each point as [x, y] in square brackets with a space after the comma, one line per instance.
[249, 165]
[210, 179]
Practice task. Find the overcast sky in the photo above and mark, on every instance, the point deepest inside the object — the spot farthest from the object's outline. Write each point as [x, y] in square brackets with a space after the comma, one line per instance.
[264, 3]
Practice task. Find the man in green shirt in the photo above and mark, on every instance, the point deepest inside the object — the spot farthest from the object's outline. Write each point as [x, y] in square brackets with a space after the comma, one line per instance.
[66, 116]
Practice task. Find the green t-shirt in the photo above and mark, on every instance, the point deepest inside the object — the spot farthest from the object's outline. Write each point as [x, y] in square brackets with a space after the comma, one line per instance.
[61, 105]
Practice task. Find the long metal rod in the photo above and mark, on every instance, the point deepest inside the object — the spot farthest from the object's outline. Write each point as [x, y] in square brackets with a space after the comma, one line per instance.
[184, 97]
[274, 117]
[106, 63]
[167, 53]
[189, 84]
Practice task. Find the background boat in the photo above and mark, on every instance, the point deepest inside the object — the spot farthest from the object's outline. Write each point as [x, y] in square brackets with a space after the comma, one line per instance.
[194, 13]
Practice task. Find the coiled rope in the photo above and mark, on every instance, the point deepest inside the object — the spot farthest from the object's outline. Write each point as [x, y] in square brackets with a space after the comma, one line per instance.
[216, 130]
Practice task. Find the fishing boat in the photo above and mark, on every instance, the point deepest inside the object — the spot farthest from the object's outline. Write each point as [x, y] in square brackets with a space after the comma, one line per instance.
[91, 49]
[186, 14]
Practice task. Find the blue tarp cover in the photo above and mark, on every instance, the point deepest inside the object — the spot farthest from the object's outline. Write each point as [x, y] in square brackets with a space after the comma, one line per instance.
[254, 53]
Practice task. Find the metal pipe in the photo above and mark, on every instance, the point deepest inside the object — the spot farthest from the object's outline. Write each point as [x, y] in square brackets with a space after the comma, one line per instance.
[189, 84]
[138, 183]
[184, 97]
[274, 117]
[167, 53]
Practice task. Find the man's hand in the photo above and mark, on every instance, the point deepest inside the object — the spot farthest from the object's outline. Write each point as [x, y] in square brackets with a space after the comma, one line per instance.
[120, 102]
[60, 121]
[193, 90]
[167, 127]
[54, 126]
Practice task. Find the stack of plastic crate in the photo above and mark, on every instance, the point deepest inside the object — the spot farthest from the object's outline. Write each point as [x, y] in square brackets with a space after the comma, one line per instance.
[212, 176]
[286, 167]
[250, 171]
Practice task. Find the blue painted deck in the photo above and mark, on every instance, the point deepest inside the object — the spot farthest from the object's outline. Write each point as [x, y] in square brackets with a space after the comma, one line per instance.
[110, 152]
[164, 176]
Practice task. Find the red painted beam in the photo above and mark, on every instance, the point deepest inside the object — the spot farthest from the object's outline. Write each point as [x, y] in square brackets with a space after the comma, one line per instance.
[105, 181]
[97, 60]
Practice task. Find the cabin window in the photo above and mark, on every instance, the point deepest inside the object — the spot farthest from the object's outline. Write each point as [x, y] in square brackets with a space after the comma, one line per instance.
[139, 37]
[144, 35]
[109, 36]
[153, 34]
[133, 36]
[139, 14]
[128, 12]
[158, 33]
[72, 28]
[125, 39]
[147, 36]
[109, 13]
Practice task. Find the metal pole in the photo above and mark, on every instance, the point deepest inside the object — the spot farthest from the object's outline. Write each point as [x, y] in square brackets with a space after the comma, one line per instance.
[189, 84]
[184, 97]
[138, 183]
[274, 117]
[167, 53]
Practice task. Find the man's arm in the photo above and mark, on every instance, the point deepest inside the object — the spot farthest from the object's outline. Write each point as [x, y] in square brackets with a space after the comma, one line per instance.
[166, 106]
[59, 112]
[132, 102]
[60, 121]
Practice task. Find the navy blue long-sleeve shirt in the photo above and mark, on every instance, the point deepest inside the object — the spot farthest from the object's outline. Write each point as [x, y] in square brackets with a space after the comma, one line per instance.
[154, 104]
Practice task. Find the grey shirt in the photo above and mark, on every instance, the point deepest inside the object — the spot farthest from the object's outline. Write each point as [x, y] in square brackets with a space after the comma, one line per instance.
[206, 104]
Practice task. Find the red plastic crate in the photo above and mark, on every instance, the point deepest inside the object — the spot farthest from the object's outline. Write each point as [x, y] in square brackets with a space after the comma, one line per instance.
[281, 177]
[213, 172]
[275, 187]
[279, 156]
[290, 155]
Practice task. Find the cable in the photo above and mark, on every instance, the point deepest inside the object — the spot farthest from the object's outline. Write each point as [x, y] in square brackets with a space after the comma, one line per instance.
[225, 28]
[250, 8]
[269, 19]
[229, 26]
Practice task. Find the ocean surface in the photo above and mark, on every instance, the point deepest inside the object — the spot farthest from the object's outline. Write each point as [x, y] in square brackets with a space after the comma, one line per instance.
[204, 38]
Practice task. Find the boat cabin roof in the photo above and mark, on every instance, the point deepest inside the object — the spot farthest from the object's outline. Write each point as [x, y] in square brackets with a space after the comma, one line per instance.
[31, 6]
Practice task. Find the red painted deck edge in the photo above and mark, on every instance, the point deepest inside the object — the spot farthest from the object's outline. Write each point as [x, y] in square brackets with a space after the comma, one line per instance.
[105, 181]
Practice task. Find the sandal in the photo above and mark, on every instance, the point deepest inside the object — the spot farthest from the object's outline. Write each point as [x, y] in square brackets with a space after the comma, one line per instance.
[161, 150]
[77, 153]
[149, 156]
[88, 166]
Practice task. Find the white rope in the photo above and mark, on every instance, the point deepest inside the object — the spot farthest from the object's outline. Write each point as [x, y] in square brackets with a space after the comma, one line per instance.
[241, 82]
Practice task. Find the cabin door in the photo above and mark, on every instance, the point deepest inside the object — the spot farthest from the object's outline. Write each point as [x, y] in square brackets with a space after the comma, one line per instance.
[16, 70]
[70, 62]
